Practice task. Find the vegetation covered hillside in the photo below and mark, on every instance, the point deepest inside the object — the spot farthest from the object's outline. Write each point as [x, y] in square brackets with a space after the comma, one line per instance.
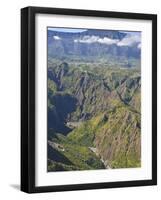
[94, 119]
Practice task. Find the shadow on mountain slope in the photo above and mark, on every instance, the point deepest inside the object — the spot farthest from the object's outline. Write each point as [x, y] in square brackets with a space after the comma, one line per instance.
[64, 104]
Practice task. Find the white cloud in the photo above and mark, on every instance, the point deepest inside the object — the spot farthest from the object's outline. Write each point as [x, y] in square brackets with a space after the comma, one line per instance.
[107, 40]
[87, 39]
[93, 39]
[56, 37]
[139, 46]
[129, 40]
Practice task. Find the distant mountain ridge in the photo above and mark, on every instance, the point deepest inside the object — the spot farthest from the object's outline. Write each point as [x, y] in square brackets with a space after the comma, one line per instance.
[102, 33]
[92, 45]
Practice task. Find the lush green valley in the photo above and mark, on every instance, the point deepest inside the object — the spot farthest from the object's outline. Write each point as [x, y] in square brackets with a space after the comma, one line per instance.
[94, 116]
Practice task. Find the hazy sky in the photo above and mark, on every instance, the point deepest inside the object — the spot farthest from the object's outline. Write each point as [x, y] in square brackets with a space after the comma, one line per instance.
[71, 30]
[76, 30]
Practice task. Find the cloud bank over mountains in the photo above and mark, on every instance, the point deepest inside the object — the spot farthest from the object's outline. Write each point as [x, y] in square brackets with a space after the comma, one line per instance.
[131, 39]
[92, 45]
[93, 39]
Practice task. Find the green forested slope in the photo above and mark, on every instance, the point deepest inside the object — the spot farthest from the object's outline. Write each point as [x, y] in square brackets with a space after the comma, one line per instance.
[93, 117]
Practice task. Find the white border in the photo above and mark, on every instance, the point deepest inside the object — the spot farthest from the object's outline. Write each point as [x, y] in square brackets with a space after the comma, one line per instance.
[92, 176]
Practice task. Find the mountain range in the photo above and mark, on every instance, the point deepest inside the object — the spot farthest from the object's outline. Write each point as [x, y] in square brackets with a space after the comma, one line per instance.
[96, 45]
[94, 99]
